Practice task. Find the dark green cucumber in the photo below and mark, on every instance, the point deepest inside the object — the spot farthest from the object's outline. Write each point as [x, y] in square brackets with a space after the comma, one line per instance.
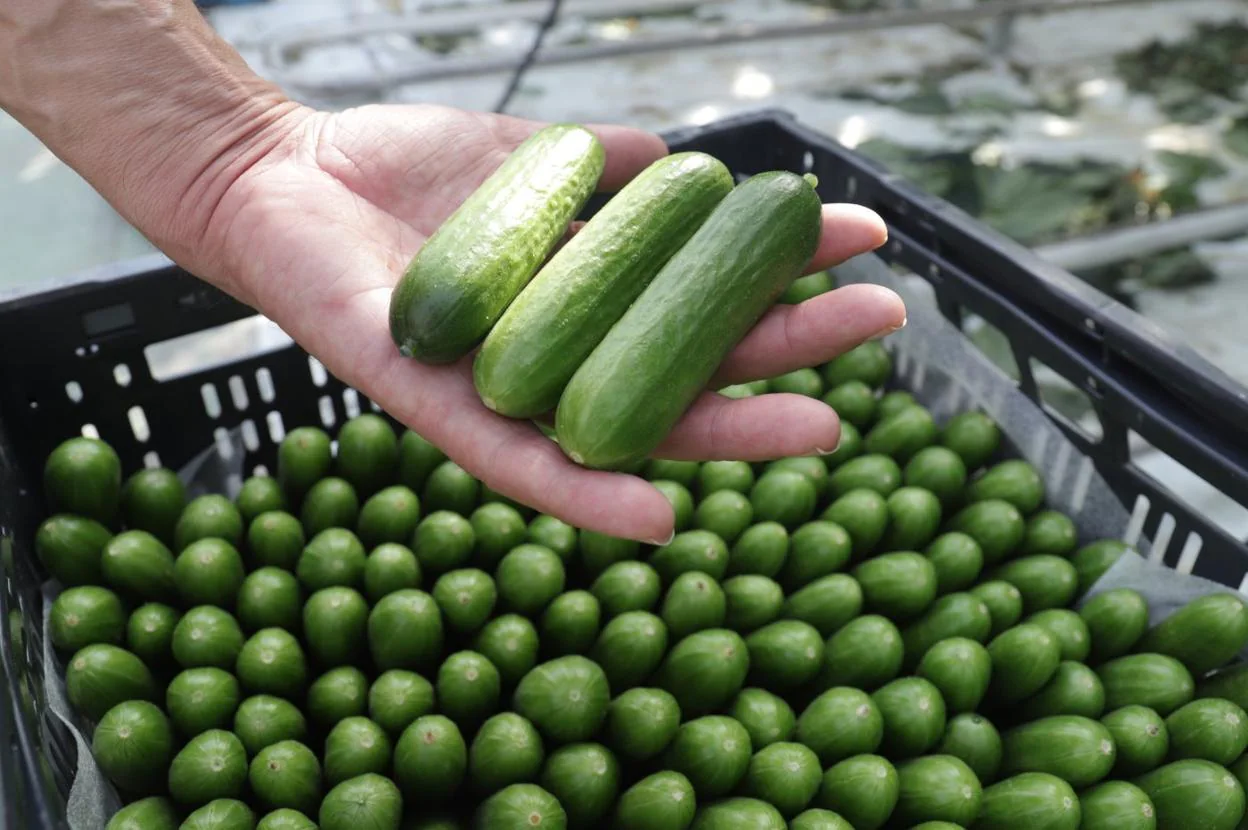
[559, 317]
[462, 279]
[638, 382]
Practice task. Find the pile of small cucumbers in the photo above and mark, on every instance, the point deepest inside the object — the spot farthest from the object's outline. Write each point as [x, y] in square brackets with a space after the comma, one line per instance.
[892, 636]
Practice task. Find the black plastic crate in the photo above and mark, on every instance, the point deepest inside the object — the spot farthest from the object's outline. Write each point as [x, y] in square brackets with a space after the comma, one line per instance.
[77, 357]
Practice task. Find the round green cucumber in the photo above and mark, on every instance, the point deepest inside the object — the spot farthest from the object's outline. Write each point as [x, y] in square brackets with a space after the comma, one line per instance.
[337, 694]
[264, 720]
[430, 759]
[209, 572]
[152, 500]
[271, 662]
[862, 789]
[259, 494]
[1074, 689]
[827, 603]
[332, 557]
[211, 765]
[389, 515]
[468, 688]
[694, 602]
[960, 668]
[355, 746]
[973, 436]
[443, 541]
[149, 633]
[335, 625]
[210, 516]
[713, 752]
[865, 653]
[552, 533]
[565, 698]
[705, 670]
[816, 549]
[585, 778]
[752, 601]
[1141, 738]
[641, 722]
[630, 647]
[761, 549]
[840, 723]
[405, 631]
[269, 598]
[936, 788]
[510, 643]
[973, 739]
[398, 697]
[201, 699]
[275, 538]
[570, 624]
[138, 564]
[133, 744]
[466, 598]
[868, 363]
[368, 800]
[82, 476]
[507, 749]
[528, 578]
[913, 712]
[84, 615]
[767, 717]
[286, 774]
[207, 636]
[626, 586]
[726, 513]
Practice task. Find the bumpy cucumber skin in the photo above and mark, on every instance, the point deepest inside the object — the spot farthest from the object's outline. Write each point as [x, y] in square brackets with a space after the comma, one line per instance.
[465, 275]
[559, 317]
[637, 383]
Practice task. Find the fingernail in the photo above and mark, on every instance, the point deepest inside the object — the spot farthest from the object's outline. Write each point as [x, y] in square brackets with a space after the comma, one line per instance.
[661, 542]
[882, 333]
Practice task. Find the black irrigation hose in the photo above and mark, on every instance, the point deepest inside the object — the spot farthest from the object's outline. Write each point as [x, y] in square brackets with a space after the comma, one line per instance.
[522, 68]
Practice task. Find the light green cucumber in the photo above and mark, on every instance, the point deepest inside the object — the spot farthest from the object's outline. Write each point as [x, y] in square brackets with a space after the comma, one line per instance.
[559, 317]
[462, 279]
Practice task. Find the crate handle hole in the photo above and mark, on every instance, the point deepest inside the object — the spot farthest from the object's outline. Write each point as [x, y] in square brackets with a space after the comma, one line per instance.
[317, 369]
[1066, 403]
[326, 407]
[1167, 474]
[121, 374]
[251, 437]
[225, 447]
[277, 429]
[138, 424]
[212, 401]
[73, 391]
[238, 393]
[1190, 553]
[351, 402]
[264, 383]
[221, 345]
[1135, 526]
[1161, 539]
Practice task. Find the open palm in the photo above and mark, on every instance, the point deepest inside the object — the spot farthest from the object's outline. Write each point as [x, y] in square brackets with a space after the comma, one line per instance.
[316, 232]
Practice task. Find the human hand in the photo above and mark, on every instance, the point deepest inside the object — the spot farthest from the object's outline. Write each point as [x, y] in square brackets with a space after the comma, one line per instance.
[316, 231]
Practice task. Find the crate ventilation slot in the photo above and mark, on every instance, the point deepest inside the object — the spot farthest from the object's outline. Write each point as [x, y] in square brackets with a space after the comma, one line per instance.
[211, 348]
